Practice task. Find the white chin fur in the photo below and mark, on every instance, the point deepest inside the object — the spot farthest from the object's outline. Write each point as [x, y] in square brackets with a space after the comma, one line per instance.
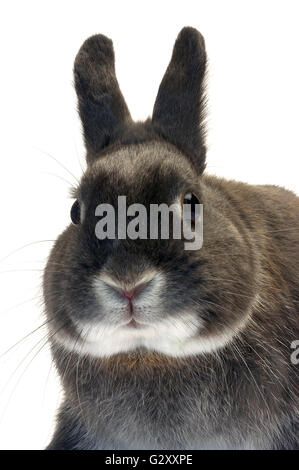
[173, 337]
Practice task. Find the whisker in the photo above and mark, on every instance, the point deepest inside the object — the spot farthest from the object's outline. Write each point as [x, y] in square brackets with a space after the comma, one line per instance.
[78, 157]
[7, 271]
[46, 343]
[57, 176]
[25, 246]
[18, 305]
[58, 162]
[26, 337]
[22, 361]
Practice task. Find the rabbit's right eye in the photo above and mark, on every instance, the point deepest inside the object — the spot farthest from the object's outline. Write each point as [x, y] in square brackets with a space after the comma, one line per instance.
[75, 213]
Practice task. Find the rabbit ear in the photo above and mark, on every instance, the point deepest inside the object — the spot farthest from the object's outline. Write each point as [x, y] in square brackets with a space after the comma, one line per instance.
[102, 108]
[179, 108]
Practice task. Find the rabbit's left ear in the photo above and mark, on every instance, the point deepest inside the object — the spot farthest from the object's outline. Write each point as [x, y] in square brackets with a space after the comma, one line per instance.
[179, 108]
[102, 108]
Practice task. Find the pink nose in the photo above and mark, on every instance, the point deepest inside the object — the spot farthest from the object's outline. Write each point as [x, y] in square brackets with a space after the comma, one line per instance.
[131, 294]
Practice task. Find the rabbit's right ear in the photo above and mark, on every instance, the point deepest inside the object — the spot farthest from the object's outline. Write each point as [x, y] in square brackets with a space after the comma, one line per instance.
[102, 108]
[178, 114]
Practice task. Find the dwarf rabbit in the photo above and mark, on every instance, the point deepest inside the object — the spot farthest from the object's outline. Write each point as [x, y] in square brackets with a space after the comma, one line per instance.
[159, 347]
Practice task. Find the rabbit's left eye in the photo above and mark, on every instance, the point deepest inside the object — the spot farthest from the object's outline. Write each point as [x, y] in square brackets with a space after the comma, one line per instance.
[75, 213]
[192, 199]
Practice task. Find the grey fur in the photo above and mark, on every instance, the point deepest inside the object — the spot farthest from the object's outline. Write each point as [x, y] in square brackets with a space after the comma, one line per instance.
[245, 394]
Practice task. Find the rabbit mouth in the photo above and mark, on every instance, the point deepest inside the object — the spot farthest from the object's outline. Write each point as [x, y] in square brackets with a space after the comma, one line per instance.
[134, 324]
[177, 336]
[128, 322]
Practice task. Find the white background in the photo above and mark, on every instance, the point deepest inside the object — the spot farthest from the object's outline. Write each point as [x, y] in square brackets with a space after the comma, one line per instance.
[253, 49]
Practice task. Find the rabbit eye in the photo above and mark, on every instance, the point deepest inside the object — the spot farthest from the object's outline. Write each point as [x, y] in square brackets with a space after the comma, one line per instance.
[75, 212]
[190, 198]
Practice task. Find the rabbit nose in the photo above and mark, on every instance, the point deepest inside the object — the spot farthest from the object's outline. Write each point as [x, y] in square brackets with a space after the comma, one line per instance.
[128, 290]
[132, 293]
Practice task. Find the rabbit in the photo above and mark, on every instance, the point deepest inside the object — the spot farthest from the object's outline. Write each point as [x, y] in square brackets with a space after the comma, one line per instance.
[156, 346]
